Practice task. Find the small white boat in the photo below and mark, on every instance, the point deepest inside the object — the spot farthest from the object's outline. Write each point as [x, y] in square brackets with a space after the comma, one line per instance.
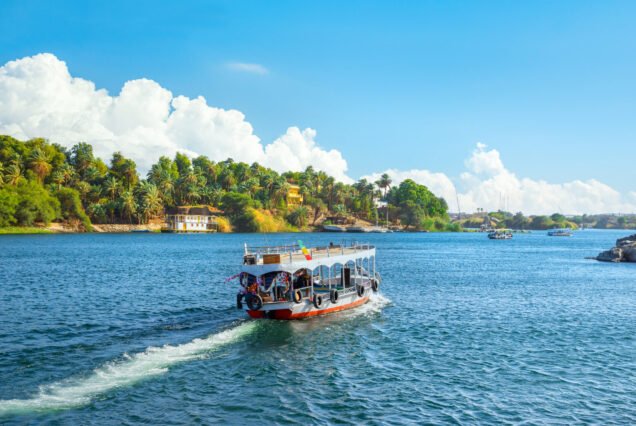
[500, 234]
[293, 282]
[378, 230]
[333, 228]
[559, 233]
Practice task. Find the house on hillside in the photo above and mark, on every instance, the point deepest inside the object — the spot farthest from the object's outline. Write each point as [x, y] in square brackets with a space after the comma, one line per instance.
[191, 219]
[294, 197]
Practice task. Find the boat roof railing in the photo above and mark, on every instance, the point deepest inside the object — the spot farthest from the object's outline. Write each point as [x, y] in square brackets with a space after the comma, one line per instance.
[295, 248]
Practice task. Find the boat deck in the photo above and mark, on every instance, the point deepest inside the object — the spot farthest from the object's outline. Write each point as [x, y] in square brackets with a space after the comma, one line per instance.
[293, 254]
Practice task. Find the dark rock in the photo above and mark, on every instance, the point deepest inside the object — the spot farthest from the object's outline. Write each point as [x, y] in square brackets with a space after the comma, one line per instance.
[629, 254]
[612, 255]
[626, 241]
[625, 251]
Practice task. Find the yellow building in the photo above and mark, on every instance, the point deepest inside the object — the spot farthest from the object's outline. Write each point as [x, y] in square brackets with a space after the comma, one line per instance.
[294, 198]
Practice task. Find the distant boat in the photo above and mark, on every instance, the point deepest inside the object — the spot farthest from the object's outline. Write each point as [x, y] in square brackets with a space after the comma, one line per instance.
[136, 231]
[378, 229]
[333, 228]
[500, 234]
[357, 229]
[559, 233]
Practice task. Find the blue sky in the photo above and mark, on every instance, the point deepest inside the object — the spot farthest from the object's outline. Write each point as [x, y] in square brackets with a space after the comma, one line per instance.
[400, 84]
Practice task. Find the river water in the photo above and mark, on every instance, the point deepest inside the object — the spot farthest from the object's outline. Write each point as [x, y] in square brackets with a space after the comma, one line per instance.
[142, 328]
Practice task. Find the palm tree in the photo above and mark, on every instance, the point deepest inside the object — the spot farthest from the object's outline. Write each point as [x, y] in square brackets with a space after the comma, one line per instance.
[299, 217]
[166, 186]
[129, 173]
[111, 186]
[128, 204]
[191, 194]
[385, 183]
[68, 172]
[58, 178]
[152, 200]
[39, 163]
[13, 175]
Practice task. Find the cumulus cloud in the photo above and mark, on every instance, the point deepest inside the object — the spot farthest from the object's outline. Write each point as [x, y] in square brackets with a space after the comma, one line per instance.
[247, 68]
[488, 184]
[297, 148]
[440, 184]
[40, 98]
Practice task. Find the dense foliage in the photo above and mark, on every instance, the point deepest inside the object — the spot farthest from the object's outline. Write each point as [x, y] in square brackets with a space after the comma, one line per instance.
[501, 219]
[43, 182]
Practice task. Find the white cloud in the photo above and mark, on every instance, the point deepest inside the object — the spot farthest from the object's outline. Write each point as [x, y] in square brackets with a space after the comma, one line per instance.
[295, 149]
[488, 184]
[247, 67]
[438, 183]
[40, 98]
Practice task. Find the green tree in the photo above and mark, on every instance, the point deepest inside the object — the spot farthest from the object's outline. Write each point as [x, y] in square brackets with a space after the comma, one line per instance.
[8, 205]
[298, 217]
[39, 163]
[35, 204]
[128, 205]
[71, 207]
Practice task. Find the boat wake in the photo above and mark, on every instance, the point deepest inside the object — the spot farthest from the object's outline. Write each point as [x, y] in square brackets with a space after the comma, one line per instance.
[376, 303]
[75, 392]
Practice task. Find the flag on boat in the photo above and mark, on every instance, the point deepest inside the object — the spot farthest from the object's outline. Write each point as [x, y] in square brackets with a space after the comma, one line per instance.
[304, 250]
[233, 277]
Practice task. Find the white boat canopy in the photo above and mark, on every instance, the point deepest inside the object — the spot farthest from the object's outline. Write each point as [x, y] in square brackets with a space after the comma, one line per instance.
[262, 260]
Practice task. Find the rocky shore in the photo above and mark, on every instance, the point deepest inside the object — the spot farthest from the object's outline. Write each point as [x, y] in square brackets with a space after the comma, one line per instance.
[625, 251]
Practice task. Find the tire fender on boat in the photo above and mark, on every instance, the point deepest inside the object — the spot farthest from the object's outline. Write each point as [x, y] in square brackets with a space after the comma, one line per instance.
[254, 302]
[361, 290]
[333, 296]
[374, 286]
[317, 301]
[298, 296]
[239, 303]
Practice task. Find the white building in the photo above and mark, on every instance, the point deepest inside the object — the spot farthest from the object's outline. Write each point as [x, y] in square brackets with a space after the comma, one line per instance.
[191, 219]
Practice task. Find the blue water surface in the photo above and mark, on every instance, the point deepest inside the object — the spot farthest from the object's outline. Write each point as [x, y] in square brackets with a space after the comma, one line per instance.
[142, 328]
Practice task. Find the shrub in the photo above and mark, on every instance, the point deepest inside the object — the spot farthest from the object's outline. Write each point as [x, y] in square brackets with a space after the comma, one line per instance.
[35, 204]
[8, 205]
[223, 224]
[72, 207]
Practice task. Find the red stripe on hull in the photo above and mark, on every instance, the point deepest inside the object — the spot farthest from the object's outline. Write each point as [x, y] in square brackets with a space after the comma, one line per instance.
[286, 314]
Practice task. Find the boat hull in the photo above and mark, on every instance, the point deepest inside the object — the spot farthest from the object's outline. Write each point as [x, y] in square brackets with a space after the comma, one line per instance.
[306, 308]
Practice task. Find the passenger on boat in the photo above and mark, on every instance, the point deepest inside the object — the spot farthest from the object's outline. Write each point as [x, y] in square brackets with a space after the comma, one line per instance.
[302, 280]
[282, 285]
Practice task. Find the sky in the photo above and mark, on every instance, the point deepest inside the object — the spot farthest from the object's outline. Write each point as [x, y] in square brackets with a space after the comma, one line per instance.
[526, 106]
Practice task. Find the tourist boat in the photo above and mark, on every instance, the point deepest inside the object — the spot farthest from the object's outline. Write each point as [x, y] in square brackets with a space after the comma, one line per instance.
[560, 233]
[500, 234]
[294, 282]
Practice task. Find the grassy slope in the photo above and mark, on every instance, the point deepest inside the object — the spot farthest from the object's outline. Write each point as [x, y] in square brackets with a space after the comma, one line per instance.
[24, 230]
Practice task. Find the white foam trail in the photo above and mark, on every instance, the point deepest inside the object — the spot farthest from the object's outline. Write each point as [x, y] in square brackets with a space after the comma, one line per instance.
[154, 361]
[376, 302]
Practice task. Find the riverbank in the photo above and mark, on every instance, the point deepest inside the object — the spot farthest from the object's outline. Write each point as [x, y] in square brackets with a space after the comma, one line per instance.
[25, 230]
[66, 228]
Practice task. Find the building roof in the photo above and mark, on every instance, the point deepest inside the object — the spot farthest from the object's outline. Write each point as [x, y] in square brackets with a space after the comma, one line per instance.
[202, 210]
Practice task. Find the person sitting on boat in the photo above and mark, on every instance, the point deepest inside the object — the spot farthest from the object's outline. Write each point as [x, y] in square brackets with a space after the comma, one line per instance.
[282, 285]
[253, 288]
